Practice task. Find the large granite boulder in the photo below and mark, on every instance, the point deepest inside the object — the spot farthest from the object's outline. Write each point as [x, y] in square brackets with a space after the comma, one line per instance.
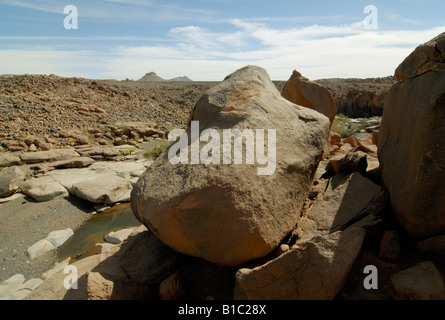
[232, 208]
[306, 93]
[411, 145]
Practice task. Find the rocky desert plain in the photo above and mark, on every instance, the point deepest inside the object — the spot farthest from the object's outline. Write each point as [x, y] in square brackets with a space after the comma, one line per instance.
[92, 208]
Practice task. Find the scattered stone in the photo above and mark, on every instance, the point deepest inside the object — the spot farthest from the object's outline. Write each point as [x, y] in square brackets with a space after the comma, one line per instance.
[118, 236]
[13, 145]
[43, 189]
[368, 147]
[421, 282]
[10, 180]
[282, 249]
[352, 141]
[39, 248]
[316, 270]
[100, 152]
[135, 128]
[353, 161]
[335, 139]
[101, 208]
[105, 247]
[58, 238]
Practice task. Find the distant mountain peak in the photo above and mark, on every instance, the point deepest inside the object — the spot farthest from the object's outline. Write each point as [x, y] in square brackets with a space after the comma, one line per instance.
[183, 78]
[151, 76]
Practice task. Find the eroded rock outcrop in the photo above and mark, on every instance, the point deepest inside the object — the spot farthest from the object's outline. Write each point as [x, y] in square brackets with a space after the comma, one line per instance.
[306, 93]
[411, 144]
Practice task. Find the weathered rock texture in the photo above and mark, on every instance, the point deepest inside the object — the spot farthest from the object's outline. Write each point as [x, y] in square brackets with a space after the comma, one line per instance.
[411, 144]
[316, 270]
[228, 214]
[306, 93]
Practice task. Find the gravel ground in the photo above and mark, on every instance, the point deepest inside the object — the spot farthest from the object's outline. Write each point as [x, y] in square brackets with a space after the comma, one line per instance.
[23, 222]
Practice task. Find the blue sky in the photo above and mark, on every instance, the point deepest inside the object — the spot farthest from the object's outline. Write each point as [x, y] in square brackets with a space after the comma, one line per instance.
[206, 40]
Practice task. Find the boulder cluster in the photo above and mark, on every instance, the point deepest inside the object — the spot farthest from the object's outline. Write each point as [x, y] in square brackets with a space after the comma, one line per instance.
[296, 233]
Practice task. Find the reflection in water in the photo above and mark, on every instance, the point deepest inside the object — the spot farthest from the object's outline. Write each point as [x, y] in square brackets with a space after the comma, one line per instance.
[83, 243]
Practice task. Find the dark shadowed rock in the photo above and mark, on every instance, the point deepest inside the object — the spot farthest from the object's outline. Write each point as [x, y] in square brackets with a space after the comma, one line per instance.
[315, 270]
[146, 259]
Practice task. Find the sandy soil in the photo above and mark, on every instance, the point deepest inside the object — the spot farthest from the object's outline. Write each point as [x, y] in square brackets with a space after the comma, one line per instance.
[24, 221]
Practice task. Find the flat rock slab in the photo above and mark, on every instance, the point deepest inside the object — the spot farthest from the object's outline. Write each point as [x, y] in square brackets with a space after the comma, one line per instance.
[77, 162]
[314, 270]
[104, 188]
[348, 198]
[58, 238]
[8, 160]
[69, 177]
[101, 182]
[48, 156]
[44, 189]
[127, 170]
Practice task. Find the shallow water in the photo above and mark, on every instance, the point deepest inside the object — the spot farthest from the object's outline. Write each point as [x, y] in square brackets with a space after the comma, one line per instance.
[83, 243]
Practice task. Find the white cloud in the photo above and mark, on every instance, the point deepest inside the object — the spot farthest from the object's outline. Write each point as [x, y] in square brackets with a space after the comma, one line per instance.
[316, 51]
